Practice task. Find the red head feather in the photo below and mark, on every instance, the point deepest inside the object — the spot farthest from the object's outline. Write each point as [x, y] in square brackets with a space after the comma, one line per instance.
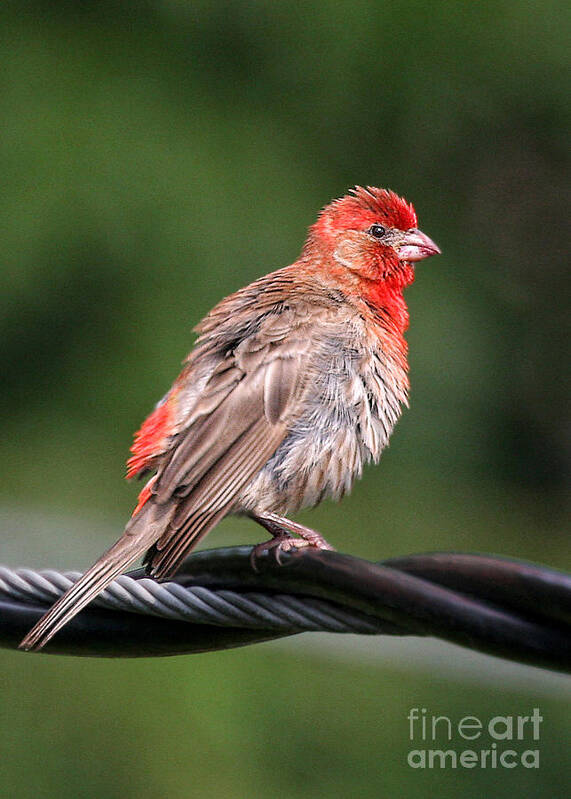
[363, 207]
[384, 275]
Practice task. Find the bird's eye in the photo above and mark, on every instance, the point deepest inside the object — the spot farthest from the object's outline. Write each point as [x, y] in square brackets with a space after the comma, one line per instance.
[377, 231]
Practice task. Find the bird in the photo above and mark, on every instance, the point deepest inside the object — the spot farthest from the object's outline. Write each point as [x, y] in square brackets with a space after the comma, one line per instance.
[294, 383]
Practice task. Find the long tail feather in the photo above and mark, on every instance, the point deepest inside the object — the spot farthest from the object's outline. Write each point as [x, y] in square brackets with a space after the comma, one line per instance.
[141, 532]
[163, 563]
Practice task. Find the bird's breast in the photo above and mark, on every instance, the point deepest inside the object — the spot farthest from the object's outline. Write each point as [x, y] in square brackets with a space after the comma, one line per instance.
[351, 404]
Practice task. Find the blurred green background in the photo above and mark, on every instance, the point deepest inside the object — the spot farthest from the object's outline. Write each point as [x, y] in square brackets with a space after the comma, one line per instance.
[155, 156]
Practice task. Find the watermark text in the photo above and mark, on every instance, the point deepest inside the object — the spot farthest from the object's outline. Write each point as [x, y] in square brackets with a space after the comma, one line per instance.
[503, 741]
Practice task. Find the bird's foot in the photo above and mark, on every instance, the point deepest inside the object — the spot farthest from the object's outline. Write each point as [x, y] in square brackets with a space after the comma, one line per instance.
[276, 545]
[284, 540]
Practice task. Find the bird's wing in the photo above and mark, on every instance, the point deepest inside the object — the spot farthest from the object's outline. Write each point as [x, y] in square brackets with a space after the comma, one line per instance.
[242, 389]
[237, 423]
[251, 317]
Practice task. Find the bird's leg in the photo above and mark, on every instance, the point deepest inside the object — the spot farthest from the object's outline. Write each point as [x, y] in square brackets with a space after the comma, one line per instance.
[283, 539]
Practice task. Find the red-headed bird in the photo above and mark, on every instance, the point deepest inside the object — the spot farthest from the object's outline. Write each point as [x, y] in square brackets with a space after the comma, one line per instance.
[294, 383]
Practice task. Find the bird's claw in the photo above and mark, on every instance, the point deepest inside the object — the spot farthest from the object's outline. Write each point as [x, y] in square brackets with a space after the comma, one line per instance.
[285, 542]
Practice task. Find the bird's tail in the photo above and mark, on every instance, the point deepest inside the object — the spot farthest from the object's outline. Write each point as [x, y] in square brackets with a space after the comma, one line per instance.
[141, 532]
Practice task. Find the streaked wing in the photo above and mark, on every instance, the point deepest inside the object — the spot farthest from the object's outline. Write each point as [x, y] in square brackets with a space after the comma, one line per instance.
[238, 422]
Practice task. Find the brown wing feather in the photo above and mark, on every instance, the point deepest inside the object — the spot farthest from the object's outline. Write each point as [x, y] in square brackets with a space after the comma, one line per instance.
[280, 382]
[213, 496]
[215, 429]
[238, 423]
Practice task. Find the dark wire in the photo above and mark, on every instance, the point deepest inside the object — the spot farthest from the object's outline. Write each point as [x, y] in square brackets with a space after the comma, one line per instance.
[504, 607]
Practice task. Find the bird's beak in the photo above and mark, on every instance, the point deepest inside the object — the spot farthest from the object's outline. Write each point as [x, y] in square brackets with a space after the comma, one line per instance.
[415, 245]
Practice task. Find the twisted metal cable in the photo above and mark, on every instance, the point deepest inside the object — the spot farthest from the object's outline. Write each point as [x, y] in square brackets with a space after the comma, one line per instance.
[504, 607]
[196, 604]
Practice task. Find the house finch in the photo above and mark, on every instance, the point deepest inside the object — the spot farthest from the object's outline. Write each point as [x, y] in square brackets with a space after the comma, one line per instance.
[294, 383]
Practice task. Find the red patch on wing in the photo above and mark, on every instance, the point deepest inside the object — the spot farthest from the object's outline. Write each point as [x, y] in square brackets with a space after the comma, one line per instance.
[152, 437]
[145, 494]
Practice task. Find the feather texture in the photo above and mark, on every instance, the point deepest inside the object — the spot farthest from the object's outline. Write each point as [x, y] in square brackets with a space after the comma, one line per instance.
[295, 383]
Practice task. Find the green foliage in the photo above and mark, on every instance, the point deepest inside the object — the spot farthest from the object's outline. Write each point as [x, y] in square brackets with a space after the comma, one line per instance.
[155, 157]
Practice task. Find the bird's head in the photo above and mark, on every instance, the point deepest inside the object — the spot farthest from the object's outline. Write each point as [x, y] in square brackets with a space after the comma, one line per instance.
[371, 235]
